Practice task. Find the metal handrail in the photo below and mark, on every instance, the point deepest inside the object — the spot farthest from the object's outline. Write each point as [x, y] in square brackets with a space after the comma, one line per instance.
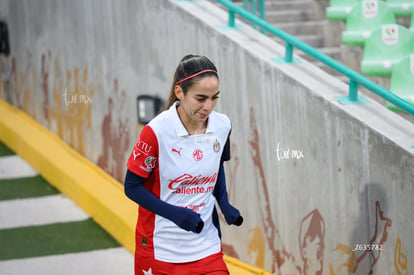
[253, 7]
[355, 78]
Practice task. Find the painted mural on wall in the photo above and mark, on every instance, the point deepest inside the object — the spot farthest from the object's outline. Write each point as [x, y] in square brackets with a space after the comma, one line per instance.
[67, 98]
[400, 259]
[16, 86]
[266, 241]
[115, 134]
[67, 102]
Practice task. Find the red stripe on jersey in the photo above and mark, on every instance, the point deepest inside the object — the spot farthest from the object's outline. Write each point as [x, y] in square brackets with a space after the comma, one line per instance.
[144, 157]
[146, 149]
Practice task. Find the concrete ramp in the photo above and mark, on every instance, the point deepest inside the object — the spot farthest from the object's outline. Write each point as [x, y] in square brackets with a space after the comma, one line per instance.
[325, 188]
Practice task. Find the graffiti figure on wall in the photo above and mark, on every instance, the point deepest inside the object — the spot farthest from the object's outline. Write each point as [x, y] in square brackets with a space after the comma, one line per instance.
[378, 239]
[16, 86]
[115, 135]
[19, 84]
[61, 99]
[311, 235]
[44, 72]
[348, 262]
[257, 246]
[344, 261]
[72, 119]
[400, 259]
[280, 256]
[311, 243]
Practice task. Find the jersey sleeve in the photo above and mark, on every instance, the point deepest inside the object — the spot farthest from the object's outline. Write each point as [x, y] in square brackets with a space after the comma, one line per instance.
[144, 156]
[226, 150]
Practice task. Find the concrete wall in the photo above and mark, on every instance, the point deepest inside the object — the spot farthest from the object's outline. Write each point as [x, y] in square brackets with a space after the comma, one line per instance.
[314, 179]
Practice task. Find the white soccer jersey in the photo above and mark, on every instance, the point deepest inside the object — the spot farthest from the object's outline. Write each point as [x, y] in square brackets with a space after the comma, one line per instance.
[182, 170]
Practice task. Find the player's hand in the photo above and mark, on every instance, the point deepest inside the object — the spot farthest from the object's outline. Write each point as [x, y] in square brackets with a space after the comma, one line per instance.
[231, 214]
[189, 220]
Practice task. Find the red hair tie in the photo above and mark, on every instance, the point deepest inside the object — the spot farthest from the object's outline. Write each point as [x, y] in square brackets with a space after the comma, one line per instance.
[191, 76]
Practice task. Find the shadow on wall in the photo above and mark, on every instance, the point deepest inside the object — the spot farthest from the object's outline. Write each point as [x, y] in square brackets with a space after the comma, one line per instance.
[369, 236]
[372, 230]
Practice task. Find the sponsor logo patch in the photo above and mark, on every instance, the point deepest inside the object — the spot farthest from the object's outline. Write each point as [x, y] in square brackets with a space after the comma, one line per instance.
[150, 163]
[216, 146]
[144, 242]
[197, 154]
[143, 147]
[135, 154]
[188, 184]
[177, 151]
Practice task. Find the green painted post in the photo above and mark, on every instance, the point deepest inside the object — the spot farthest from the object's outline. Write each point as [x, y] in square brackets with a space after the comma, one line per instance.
[254, 11]
[262, 13]
[246, 4]
[288, 53]
[232, 18]
[254, 7]
[353, 90]
[262, 9]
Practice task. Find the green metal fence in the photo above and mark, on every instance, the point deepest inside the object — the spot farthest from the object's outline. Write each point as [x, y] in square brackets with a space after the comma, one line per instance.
[355, 78]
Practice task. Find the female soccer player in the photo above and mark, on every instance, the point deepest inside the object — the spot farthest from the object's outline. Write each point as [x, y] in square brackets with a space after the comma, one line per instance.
[175, 173]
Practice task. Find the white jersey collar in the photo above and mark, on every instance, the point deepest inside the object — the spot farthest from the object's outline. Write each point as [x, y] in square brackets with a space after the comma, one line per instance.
[179, 126]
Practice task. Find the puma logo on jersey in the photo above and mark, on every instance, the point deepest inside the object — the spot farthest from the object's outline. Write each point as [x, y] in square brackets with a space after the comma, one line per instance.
[177, 151]
[135, 155]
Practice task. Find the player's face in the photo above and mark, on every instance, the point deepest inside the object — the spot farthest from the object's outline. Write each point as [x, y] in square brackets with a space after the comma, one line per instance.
[200, 99]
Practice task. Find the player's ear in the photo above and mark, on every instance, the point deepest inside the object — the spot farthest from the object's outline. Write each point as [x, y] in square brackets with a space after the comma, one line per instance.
[179, 93]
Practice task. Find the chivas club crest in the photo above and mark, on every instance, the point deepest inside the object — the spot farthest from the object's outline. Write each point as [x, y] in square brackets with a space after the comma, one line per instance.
[216, 146]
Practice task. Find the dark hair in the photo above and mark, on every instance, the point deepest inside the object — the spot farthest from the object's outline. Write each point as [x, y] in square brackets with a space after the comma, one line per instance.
[189, 65]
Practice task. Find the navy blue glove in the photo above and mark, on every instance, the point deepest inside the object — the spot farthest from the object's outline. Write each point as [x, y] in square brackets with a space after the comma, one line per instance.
[185, 218]
[231, 214]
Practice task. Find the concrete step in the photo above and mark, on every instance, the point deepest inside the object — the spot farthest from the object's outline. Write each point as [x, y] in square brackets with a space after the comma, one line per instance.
[312, 40]
[315, 41]
[281, 6]
[289, 4]
[301, 19]
[288, 15]
[314, 27]
[333, 52]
